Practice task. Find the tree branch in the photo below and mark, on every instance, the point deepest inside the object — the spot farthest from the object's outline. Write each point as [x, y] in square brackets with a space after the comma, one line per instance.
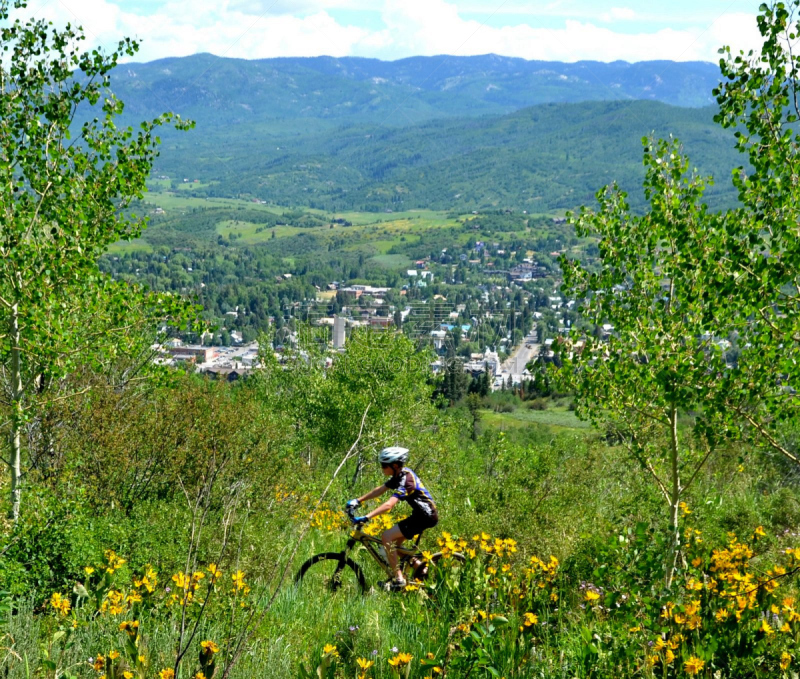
[767, 436]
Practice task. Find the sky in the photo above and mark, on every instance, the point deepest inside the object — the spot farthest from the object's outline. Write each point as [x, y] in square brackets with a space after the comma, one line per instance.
[553, 30]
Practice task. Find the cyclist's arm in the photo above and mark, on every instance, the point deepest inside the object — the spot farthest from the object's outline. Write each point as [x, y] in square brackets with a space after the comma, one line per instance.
[375, 492]
[385, 507]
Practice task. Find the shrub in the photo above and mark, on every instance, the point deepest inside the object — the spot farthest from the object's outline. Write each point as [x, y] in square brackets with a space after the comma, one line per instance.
[538, 404]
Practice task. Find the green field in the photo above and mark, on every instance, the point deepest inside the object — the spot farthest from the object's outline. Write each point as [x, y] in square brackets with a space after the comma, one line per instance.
[249, 232]
[392, 261]
[136, 245]
[557, 419]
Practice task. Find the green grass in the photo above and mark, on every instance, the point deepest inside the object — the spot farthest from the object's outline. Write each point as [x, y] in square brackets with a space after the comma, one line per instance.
[554, 418]
[169, 201]
[136, 245]
[392, 261]
[247, 230]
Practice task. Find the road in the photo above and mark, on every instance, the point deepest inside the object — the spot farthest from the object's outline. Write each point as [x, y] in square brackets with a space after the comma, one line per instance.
[520, 357]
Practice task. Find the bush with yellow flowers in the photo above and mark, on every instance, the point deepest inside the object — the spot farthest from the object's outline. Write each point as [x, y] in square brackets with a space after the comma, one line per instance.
[500, 603]
[118, 606]
[727, 609]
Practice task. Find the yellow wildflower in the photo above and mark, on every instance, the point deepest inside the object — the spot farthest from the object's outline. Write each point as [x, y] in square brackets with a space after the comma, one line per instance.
[209, 647]
[330, 650]
[401, 660]
[531, 619]
[759, 533]
[766, 628]
[129, 626]
[166, 674]
[60, 603]
[786, 660]
[693, 666]
[669, 657]
[113, 655]
[88, 570]
[127, 675]
[692, 608]
[238, 580]
[591, 596]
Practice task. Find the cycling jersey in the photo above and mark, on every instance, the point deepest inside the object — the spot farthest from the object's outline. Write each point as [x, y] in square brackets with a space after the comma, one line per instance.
[409, 488]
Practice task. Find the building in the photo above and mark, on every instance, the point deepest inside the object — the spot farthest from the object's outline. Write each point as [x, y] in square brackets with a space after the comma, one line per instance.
[196, 353]
[228, 373]
[438, 338]
[338, 332]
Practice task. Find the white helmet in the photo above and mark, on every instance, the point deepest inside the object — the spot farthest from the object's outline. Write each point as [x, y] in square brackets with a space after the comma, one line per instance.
[393, 454]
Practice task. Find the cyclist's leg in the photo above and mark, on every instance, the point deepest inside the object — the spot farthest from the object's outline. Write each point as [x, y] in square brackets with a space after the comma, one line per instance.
[391, 538]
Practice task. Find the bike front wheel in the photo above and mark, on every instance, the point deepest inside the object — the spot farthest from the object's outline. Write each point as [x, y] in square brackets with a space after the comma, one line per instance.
[332, 571]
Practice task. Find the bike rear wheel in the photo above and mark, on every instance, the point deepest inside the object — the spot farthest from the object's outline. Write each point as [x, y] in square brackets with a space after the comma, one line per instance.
[332, 571]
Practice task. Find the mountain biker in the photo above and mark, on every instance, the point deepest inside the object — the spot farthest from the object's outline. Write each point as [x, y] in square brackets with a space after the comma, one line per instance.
[407, 487]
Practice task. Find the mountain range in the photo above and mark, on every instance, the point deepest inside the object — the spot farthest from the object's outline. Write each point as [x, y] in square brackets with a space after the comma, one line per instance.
[213, 89]
[440, 132]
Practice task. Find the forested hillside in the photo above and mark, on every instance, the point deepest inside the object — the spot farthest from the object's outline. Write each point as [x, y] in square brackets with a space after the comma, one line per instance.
[550, 157]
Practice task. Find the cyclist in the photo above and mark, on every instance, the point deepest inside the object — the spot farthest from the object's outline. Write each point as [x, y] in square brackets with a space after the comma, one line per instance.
[407, 487]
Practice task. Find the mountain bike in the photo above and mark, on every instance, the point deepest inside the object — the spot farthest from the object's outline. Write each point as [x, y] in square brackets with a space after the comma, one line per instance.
[337, 571]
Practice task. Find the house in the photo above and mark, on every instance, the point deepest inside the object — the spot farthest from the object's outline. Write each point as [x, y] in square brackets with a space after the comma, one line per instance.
[230, 374]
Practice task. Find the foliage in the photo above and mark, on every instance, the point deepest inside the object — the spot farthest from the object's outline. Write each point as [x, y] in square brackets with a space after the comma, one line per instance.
[61, 199]
[660, 358]
[380, 379]
[755, 268]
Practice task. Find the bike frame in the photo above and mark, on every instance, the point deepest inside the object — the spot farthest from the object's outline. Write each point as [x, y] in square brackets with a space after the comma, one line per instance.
[405, 555]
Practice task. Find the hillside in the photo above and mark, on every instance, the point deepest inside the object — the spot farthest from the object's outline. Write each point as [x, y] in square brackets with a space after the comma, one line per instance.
[543, 158]
[328, 91]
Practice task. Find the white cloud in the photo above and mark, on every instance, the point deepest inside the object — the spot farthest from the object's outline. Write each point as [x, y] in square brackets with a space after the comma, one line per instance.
[261, 28]
[618, 14]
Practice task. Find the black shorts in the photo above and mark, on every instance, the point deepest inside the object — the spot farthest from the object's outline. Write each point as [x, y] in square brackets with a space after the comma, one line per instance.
[416, 523]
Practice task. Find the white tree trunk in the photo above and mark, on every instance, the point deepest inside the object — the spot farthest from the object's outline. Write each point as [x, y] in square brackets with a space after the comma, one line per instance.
[675, 497]
[15, 461]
